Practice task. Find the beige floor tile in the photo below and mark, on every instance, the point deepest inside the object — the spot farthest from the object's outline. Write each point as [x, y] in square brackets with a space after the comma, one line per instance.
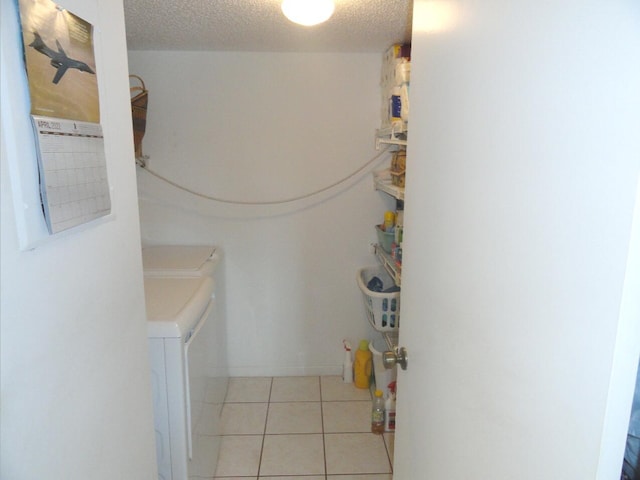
[294, 417]
[389, 441]
[383, 476]
[333, 388]
[207, 421]
[345, 417]
[292, 455]
[216, 390]
[204, 463]
[243, 418]
[351, 453]
[295, 389]
[239, 456]
[294, 447]
[249, 389]
[294, 477]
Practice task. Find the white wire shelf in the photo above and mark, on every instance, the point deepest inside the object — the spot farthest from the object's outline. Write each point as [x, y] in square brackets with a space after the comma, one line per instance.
[382, 182]
[389, 264]
[392, 136]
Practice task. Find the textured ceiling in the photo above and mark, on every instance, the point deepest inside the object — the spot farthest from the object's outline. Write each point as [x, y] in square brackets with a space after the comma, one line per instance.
[260, 26]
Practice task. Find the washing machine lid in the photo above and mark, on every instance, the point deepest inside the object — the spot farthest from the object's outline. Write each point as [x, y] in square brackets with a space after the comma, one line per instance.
[179, 260]
[174, 305]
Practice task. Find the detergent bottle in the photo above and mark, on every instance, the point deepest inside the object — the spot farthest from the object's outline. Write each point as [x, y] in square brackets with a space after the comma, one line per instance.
[389, 221]
[362, 365]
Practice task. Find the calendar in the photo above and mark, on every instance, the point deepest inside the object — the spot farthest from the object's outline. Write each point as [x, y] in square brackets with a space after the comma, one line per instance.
[65, 113]
[73, 173]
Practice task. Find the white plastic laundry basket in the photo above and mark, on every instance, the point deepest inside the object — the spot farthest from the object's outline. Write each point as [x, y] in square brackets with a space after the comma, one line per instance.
[382, 309]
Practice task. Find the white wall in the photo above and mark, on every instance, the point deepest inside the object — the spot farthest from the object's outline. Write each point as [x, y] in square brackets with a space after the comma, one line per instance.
[75, 388]
[261, 127]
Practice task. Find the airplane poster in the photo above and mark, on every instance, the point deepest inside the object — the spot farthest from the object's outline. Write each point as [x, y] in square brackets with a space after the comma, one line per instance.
[60, 62]
[65, 113]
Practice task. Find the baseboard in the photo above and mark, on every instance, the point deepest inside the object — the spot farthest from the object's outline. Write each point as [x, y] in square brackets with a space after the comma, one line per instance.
[265, 371]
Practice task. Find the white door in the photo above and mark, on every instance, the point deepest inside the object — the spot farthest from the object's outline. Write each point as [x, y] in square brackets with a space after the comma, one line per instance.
[523, 161]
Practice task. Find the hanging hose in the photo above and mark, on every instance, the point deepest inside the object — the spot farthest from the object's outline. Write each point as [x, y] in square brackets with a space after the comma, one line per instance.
[141, 162]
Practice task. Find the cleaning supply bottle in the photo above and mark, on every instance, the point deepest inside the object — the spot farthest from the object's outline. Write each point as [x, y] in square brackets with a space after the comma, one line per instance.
[347, 366]
[390, 409]
[362, 365]
[389, 221]
[377, 413]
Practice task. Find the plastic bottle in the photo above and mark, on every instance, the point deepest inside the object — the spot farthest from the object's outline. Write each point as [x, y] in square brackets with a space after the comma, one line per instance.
[389, 221]
[362, 365]
[377, 413]
[390, 409]
[347, 366]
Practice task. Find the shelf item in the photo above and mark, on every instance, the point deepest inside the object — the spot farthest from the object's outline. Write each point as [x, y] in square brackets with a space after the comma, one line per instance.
[394, 83]
[382, 181]
[385, 239]
[398, 167]
[389, 264]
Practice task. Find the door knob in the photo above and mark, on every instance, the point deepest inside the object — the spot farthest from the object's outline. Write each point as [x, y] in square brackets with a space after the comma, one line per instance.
[397, 356]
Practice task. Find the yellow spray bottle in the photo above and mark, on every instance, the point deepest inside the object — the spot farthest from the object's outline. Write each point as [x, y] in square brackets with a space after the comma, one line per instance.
[362, 365]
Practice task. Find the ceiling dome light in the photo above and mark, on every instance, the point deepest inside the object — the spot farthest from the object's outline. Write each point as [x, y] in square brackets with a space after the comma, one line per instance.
[308, 12]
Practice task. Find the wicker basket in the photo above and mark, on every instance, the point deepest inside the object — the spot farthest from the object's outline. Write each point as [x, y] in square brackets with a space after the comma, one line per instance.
[139, 101]
[382, 309]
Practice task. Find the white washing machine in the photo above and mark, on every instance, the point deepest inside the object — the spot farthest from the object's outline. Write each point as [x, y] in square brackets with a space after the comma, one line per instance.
[180, 260]
[187, 344]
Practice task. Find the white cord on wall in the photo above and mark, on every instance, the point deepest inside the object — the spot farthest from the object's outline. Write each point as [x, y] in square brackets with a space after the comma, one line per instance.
[142, 163]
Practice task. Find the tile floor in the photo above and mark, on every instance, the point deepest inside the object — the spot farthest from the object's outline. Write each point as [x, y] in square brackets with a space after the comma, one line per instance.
[300, 428]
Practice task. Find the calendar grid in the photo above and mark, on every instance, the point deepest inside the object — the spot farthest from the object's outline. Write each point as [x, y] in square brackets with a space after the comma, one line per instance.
[74, 185]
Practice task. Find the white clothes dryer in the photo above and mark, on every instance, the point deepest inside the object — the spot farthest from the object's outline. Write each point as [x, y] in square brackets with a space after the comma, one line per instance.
[189, 372]
[188, 261]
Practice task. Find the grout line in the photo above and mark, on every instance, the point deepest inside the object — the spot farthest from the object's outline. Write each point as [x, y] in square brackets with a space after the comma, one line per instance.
[386, 447]
[324, 443]
[264, 431]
